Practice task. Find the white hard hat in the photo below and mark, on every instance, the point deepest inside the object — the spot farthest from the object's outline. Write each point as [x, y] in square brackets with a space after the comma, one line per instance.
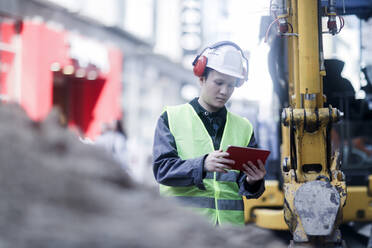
[225, 57]
[227, 60]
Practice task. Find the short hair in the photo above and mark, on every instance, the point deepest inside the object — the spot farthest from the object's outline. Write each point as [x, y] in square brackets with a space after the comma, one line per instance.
[206, 72]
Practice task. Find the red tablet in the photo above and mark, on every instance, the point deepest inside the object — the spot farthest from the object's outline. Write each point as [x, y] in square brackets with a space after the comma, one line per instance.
[242, 155]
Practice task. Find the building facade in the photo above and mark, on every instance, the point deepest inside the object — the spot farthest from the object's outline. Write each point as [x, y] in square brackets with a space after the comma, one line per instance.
[84, 59]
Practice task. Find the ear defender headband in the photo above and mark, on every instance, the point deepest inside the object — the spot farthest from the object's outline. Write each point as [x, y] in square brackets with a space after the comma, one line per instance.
[200, 62]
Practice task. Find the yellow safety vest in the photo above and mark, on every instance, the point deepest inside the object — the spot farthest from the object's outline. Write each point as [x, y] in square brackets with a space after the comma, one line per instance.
[220, 201]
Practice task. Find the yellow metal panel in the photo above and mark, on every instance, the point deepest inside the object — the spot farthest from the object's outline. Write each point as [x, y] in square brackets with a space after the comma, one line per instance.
[272, 197]
[358, 205]
[313, 151]
[270, 218]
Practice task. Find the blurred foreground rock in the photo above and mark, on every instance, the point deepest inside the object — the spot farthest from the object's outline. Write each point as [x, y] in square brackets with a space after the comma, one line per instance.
[57, 192]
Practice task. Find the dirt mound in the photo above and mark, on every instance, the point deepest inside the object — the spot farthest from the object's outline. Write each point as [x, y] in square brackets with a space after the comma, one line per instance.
[57, 192]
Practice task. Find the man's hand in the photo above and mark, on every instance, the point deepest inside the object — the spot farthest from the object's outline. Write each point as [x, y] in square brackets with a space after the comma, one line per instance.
[254, 173]
[217, 162]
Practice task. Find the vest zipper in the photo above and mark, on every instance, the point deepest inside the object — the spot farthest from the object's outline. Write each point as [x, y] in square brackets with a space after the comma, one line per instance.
[216, 197]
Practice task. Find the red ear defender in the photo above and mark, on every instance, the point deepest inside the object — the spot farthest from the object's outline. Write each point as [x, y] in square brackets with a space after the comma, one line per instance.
[199, 66]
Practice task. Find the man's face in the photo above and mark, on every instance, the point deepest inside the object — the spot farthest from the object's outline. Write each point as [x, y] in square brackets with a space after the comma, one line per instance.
[216, 90]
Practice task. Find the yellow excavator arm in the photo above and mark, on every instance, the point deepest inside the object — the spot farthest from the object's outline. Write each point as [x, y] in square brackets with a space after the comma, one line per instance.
[313, 184]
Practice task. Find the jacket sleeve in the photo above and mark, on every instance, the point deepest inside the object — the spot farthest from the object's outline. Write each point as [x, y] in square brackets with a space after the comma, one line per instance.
[169, 169]
[255, 190]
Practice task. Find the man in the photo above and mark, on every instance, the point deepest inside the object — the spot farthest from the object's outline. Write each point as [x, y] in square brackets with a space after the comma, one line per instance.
[190, 161]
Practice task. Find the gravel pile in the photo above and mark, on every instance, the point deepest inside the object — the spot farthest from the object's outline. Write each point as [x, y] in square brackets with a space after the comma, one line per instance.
[58, 192]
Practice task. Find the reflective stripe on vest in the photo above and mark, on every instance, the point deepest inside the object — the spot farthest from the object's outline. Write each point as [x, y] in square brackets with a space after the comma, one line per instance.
[220, 201]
